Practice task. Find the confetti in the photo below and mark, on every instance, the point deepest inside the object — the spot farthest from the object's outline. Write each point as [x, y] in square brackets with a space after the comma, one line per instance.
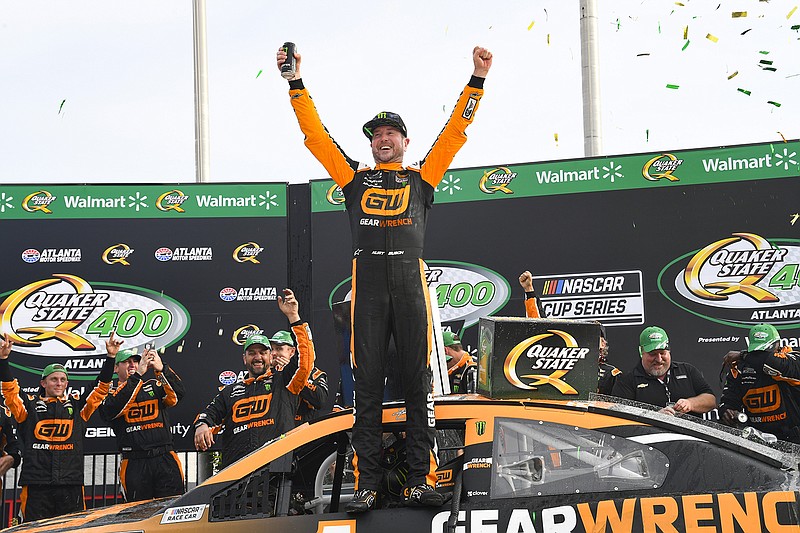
[546, 16]
[765, 62]
[712, 38]
[643, 54]
[796, 27]
[219, 333]
[776, 104]
[771, 69]
[733, 75]
[763, 52]
[685, 46]
[679, 4]
[782, 137]
[659, 26]
[555, 136]
[61, 106]
[745, 31]
[686, 32]
[531, 25]
[672, 86]
[791, 13]
[738, 14]
[617, 24]
[259, 73]
[548, 39]
[647, 135]
[745, 91]
[794, 218]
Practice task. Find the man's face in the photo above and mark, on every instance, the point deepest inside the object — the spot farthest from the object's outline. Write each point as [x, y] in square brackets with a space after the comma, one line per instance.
[257, 359]
[388, 145]
[656, 363]
[281, 354]
[54, 385]
[126, 368]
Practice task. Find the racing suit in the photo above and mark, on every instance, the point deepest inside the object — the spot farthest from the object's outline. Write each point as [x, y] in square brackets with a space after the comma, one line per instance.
[52, 430]
[463, 375]
[9, 443]
[312, 397]
[150, 468]
[257, 410]
[766, 387]
[388, 207]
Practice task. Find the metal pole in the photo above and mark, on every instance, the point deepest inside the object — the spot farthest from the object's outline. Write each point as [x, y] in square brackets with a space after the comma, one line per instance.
[590, 71]
[201, 140]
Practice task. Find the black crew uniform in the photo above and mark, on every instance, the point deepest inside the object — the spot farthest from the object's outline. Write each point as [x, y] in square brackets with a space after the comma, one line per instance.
[150, 468]
[9, 442]
[463, 375]
[312, 397]
[766, 387]
[683, 381]
[52, 430]
[257, 410]
[388, 207]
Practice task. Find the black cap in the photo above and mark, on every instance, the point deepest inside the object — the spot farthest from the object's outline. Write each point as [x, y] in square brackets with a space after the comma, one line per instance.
[385, 118]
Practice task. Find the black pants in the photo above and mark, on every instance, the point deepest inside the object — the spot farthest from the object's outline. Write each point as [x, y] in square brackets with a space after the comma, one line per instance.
[143, 478]
[390, 297]
[46, 501]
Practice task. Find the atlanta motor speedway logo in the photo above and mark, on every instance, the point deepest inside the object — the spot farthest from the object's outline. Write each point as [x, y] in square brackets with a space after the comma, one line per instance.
[65, 316]
[738, 280]
[463, 291]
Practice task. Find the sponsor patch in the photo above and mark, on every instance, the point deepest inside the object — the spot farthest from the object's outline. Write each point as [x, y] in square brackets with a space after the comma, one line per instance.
[187, 513]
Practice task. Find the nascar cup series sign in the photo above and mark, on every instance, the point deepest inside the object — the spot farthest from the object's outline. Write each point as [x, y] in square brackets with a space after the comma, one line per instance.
[738, 280]
[65, 317]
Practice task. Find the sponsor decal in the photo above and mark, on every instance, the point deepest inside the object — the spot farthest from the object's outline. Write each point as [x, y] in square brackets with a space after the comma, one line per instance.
[497, 179]
[202, 253]
[775, 159]
[556, 351]
[335, 196]
[67, 317]
[613, 298]
[186, 513]
[695, 512]
[463, 291]
[118, 253]
[739, 281]
[31, 255]
[267, 200]
[385, 202]
[141, 411]
[247, 253]
[250, 408]
[136, 201]
[661, 167]
[60, 255]
[226, 377]
[53, 429]
[172, 201]
[469, 109]
[248, 294]
[480, 427]
[38, 201]
[608, 171]
[99, 433]
[240, 335]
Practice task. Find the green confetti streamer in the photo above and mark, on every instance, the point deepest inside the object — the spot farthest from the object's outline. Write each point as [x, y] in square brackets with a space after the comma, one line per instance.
[745, 91]
[771, 69]
[765, 62]
[685, 46]
[61, 106]
[671, 86]
[776, 104]
[617, 24]
[647, 135]
[796, 27]
[659, 26]
[259, 73]
[765, 52]
[745, 31]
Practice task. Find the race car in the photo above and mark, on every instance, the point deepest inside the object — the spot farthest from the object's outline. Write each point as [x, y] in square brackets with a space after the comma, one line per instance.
[509, 466]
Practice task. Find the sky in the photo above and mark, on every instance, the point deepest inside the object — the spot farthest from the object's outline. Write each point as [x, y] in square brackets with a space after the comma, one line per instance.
[102, 91]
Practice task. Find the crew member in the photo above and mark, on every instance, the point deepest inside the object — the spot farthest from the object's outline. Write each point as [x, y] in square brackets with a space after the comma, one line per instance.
[237, 405]
[315, 393]
[658, 380]
[150, 468]
[388, 206]
[532, 309]
[10, 454]
[462, 370]
[52, 425]
[764, 370]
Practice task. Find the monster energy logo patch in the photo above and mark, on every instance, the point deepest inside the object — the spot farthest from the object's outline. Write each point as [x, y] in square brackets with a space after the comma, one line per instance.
[480, 427]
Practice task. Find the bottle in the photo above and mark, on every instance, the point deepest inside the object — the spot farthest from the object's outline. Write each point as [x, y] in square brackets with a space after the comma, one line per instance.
[751, 432]
[288, 68]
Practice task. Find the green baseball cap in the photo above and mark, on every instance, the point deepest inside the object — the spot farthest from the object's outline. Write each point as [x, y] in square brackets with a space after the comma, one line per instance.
[256, 339]
[124, 355]
[653, 338]
[762, 337]
[55, 367]
[282, 337]
[450, 338]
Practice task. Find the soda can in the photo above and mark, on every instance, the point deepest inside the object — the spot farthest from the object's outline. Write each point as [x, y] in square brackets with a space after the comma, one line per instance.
[289, 65]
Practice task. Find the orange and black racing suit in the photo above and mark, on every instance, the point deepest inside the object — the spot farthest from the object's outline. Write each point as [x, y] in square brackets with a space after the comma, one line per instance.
[766, 386]
[150, 468]
[257, 410]
[52, 430]
[388, 207]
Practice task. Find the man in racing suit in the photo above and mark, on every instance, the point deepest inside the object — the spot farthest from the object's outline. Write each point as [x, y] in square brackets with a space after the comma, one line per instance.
[262, 406]
[462, 370]
[315, 393]
[764, 383]
[136, 409]
[52, 425]
[388, 207]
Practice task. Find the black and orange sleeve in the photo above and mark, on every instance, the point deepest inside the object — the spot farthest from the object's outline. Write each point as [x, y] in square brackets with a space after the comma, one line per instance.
[305, 358]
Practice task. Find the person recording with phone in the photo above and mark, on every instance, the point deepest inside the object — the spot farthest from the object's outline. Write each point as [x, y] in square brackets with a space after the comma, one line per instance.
[137, 411]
